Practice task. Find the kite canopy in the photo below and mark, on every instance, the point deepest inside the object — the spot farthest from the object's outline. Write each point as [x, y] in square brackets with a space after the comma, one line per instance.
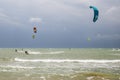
[89, 39]
[96, 13]
[33, 36]
[35, 29]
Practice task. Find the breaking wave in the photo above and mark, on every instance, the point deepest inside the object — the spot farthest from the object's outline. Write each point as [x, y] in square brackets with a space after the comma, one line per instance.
[67, 60]
[36, 52]
[56, 52]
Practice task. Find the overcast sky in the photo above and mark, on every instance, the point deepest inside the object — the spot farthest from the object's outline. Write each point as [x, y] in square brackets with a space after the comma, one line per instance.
[60, 23]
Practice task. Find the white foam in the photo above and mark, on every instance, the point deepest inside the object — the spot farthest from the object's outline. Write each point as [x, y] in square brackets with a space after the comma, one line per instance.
[67, 60]
[56, 52]
[20, 51]
[16, 66]
[115, 49]
[90, 78]
[31, 52]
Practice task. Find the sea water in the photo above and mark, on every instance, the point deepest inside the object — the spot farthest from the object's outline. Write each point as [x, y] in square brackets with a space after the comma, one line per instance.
[59, 64]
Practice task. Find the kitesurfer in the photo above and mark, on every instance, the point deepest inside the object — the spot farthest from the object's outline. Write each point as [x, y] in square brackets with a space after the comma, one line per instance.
[26, 52]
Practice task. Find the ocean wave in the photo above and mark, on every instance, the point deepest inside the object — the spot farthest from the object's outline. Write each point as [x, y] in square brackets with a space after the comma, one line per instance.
[55, 52]
[16, 66]
[36, 52]
[33, 52]
[20, 51]
[6, 59]
[67, 60]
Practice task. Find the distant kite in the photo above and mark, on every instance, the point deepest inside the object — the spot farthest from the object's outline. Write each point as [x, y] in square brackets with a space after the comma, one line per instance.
[35, 29]
[89, 39]
[96, 13]
[33, 36]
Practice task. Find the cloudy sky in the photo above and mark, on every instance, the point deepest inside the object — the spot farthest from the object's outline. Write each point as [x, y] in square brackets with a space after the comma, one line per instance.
[60, 23]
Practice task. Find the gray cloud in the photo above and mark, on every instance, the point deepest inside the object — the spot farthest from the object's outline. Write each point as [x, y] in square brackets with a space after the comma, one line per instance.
[62, 22]
[108, 36]
[35, 19]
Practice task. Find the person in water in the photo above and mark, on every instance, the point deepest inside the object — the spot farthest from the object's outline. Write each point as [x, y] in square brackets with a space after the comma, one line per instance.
[15, 50]
[26, 52]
